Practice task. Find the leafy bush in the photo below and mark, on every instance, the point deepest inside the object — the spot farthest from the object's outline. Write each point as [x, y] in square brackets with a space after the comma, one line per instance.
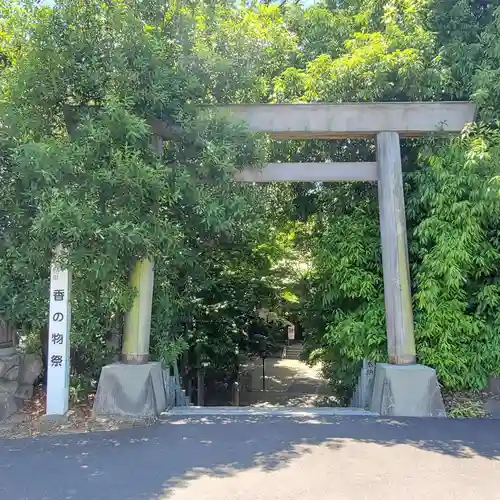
[80, 82]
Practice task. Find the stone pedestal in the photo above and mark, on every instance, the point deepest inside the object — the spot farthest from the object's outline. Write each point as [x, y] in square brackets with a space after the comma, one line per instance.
[18, 373]
[128, 390]
[406, 391]
[494, 385]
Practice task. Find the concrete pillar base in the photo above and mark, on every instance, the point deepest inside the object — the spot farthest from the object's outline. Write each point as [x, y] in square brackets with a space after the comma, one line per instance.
[133, 391]
[406, 391]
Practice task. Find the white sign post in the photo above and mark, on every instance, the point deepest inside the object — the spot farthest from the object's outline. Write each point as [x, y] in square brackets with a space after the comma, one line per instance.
[58, 351]
[291, 333]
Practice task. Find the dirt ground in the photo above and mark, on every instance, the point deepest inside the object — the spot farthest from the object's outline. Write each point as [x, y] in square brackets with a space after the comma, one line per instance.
[30, 420]
[473, 404]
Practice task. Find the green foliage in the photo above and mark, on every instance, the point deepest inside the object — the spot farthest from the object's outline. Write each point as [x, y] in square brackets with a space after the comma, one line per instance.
[472, 409]
[78, 169]
[80, 82]
[456, 259]
[405, 50]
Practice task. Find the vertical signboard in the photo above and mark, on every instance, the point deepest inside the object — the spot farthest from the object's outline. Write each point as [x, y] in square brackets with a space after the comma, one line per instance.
[291, 332]
[58, 348]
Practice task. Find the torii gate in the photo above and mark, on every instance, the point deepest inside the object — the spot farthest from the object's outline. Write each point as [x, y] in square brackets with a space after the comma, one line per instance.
[402, 387]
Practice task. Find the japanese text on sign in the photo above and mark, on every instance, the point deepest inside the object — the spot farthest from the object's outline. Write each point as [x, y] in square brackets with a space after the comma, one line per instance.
[58, 356]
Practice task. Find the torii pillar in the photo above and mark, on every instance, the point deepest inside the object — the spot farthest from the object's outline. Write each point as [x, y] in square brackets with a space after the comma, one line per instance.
[135, 387]
[397, 286]
[401, 387]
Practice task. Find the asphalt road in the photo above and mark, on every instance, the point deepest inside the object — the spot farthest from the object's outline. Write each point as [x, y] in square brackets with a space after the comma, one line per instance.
[261, 458]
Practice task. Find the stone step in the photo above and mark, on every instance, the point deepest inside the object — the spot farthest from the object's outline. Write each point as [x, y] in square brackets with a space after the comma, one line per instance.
[282, 398]
[293, 353]
[274, 411]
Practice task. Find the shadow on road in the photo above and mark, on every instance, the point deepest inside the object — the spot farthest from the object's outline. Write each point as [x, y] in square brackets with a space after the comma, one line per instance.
[154, 462]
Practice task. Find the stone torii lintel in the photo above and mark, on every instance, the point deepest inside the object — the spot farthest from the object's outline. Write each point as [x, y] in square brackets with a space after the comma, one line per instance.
[343, 121]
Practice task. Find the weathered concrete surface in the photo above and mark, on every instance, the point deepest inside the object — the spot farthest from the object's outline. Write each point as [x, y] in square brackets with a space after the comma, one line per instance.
[494, 385]
[347, 120]
[9, 366]
[309, 172]
[395, 263]
[406, 391]
[18, 372]
[30, 368]
[258, 458]
[252, 411]
[492, 406]
[134, 391]
[25, 392]
[342, 121]
[137, 329]
[8, 402]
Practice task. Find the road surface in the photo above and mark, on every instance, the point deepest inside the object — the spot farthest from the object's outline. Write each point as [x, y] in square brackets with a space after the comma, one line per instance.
[261, 458]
